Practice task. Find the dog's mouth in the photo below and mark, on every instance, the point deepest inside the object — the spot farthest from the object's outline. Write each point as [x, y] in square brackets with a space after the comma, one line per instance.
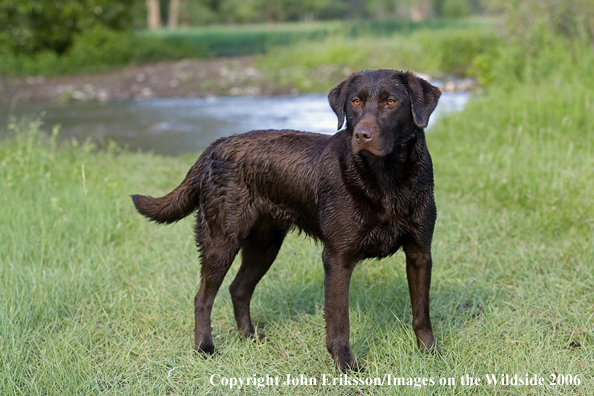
[369, 152]
[375, 148]
[367, 141]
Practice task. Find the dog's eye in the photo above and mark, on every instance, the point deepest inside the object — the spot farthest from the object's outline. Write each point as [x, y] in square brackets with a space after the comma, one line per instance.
[391, 102]
[356, 102]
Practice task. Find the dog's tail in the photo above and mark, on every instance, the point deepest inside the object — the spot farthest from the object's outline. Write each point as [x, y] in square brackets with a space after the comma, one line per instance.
[174, 206]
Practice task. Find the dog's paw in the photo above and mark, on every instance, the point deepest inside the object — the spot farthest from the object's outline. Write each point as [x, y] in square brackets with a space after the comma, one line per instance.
[205, 349]
[250, 335]
[435, 350]
[431, 350]
[352, 366]
[426, 343]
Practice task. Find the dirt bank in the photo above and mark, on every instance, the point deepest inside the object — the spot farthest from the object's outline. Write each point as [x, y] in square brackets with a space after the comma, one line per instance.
[182, 79]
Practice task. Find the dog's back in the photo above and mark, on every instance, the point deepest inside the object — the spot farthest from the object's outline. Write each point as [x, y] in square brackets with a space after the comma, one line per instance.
[242, 177]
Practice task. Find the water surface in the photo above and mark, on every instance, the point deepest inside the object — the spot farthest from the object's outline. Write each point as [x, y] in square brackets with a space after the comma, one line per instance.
[176, 126]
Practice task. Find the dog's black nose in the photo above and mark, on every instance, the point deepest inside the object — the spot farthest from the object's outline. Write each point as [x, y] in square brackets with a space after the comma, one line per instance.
[363, 135]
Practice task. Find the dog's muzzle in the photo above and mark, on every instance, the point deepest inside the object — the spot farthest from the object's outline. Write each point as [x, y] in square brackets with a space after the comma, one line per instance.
[365, 140]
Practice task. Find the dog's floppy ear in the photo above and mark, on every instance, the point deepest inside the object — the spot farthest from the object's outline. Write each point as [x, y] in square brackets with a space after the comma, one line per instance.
[424, 98]
[337, 99]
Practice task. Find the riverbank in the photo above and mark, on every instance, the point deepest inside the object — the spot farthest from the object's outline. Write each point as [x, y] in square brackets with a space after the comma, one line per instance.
[190, 78]
[182, 79]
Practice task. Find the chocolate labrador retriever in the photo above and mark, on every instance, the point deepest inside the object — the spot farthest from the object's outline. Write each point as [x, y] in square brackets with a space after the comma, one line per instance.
[364, 193]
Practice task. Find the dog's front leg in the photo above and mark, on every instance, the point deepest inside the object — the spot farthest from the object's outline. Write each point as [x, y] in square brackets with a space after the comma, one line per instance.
[418, 272]
[338, 271]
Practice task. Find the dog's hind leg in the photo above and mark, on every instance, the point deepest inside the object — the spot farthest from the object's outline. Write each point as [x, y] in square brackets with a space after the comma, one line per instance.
[258, 253]
[217, 257]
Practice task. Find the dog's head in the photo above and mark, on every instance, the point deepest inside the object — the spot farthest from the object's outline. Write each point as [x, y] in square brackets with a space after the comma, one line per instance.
[381, 107]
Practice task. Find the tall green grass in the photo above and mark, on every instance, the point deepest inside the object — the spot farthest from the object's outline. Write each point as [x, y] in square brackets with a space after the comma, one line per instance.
[225, 40]
[445, 49]
[96, 300]
[230, 40]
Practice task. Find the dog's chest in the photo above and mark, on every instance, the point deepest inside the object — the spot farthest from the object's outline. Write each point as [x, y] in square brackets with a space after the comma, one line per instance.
[382, 235]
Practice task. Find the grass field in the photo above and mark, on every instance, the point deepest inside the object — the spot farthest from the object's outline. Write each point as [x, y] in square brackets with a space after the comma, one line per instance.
[96, 300]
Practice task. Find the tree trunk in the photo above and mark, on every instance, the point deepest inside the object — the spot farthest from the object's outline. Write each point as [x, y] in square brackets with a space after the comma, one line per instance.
[421, 10]
[153, 14]
[173, 14]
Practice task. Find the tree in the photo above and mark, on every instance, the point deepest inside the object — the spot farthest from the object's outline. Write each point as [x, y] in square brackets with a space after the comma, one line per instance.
[153, 14]
[173, 14]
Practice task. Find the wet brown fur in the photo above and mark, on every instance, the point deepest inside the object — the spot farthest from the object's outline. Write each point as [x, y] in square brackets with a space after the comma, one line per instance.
[364, 193]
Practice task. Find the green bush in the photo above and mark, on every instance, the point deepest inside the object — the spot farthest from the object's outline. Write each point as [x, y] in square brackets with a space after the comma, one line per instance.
[455, 51]
[97, 49]
[456, 8]
[529, 20]
[513, 61]
[34, 26]
[540, 38]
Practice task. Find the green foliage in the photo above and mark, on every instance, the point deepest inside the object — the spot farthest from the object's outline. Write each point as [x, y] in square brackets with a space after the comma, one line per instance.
[446, 47]
[241, 40]
[540, 37]
[101, 49]
[456, 8]
[94, 50]
[34, 26]
[455, 50]
[534, 46]
[225, 40]
[200, 12]
[318, 66]
[67, 36]
[529, 20]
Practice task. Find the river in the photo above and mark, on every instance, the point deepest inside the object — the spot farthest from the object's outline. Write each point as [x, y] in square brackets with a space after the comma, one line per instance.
[177, 126]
